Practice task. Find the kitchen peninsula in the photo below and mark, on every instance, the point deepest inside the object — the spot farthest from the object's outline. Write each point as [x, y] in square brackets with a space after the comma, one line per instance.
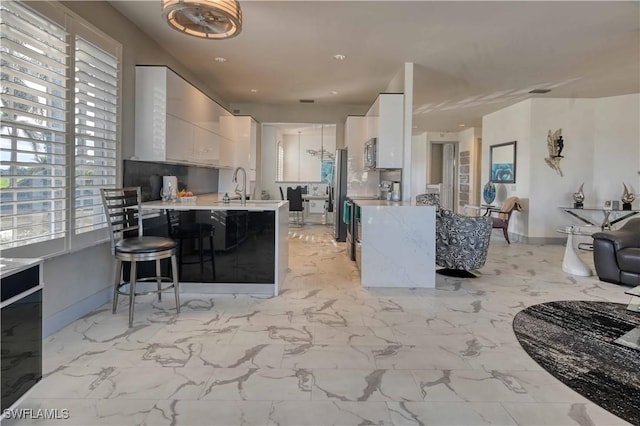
[259, 236]
[395, 244]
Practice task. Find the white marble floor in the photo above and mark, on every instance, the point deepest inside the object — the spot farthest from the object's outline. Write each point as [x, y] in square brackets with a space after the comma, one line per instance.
[325, 351]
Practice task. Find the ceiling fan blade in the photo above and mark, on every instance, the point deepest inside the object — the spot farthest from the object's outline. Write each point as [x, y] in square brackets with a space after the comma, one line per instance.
[208, 21]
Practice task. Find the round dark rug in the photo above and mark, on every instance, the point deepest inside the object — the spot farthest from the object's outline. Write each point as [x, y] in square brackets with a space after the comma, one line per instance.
[574, 341]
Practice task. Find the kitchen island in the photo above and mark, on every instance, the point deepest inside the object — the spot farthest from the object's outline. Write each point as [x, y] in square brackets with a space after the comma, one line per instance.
[395, 244]
[251, 242]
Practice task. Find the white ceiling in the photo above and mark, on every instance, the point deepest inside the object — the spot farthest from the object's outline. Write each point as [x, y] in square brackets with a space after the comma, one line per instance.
[471, 58]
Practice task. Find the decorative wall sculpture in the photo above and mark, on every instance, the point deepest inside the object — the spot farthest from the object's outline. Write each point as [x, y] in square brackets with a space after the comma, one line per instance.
[555, 145]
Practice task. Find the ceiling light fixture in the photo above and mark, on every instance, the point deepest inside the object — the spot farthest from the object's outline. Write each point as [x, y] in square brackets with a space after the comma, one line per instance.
[339, 57]
[254, 90]
[334, 92]
[220, 59]
[210, 19]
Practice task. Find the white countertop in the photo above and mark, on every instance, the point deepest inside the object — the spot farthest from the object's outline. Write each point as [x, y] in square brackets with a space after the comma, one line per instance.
[383, 203]
[10, 266]
[214, 202]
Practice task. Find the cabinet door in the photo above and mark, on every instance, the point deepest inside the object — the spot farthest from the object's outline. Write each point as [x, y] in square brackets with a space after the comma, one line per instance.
[390, 131]
[242, 142]
[355, 135]
[253, 142]
[206, 148]
[180, 140]
[226, 152]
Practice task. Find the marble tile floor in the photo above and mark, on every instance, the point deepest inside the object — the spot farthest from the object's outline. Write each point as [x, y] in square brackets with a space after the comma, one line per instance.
[326, 351]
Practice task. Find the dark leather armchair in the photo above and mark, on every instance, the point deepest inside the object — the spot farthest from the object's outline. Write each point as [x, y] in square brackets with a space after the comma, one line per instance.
[616, 254]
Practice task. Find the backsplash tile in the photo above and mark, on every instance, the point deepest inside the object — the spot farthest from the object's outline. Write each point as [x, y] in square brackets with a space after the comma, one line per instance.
[148, 176]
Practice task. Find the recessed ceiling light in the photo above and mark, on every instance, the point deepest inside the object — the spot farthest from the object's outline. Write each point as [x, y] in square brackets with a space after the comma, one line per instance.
[339, 57]
[254, 90]
[220, 59]
[461, 125]
[333, 92]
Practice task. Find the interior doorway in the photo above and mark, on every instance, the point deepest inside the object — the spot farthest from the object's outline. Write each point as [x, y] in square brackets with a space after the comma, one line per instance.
[444, 171]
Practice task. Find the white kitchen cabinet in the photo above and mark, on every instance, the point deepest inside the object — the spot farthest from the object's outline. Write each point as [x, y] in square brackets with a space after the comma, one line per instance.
[176, 122]
[179, 138]
[385, 123]
[355, 136]
[206, 147]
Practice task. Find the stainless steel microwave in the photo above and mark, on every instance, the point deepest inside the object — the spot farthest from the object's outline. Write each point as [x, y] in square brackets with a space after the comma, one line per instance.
[370, 154]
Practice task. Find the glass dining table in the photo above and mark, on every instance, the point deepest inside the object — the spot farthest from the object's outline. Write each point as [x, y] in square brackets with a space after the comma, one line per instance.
[610, 217]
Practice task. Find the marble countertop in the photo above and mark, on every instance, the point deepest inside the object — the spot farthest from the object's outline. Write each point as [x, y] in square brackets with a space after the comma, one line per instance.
[10, 266]
[214, 202]
[385, 203]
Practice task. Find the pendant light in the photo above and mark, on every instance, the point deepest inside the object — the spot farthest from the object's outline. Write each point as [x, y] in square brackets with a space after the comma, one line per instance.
[210, 19]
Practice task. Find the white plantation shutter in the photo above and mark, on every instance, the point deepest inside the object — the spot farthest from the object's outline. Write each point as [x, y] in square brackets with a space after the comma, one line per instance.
[33, 130]
[96, 131]
[59, 129]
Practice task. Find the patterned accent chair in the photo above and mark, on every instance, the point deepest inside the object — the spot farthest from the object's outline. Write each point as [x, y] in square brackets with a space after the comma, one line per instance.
[429, 199]
[462, 242]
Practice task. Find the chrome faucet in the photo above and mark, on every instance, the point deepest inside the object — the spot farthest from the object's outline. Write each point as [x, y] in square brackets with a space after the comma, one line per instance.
[243, 192]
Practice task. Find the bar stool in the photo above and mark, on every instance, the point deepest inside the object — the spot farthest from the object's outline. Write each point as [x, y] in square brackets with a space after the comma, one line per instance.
[192, 231]
[122, 208]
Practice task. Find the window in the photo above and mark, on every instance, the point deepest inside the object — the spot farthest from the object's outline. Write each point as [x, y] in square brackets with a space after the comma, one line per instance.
[59, 129]
[96, 126]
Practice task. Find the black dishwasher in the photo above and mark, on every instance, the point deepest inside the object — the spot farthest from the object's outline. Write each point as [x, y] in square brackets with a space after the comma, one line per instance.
[21, 339]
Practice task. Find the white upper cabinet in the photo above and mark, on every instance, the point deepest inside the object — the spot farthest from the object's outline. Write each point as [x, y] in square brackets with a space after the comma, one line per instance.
[245, 132]
[355, 134]
[176, 122]
[385, 122]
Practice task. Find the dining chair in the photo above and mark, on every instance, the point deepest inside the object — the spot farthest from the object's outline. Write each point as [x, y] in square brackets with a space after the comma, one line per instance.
[501, 221]
[296, 205]
[122, 207]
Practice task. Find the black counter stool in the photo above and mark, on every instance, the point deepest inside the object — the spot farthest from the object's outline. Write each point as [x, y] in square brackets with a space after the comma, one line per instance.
[122, 208]
[191, 231]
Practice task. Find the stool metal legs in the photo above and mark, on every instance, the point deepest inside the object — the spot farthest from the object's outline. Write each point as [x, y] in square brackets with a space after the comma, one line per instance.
[159, 279]
[132, 291]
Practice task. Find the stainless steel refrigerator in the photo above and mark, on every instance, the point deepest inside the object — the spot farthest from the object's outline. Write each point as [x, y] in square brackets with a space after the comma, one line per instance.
[339, 194]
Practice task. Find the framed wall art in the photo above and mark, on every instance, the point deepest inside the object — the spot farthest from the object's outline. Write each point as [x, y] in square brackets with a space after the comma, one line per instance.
[502, 162]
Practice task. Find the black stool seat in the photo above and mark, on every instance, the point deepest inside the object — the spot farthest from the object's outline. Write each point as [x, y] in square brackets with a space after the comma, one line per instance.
[145, 245]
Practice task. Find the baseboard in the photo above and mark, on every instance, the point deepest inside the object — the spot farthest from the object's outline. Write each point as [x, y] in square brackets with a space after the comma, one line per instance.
[79, 309]
[560, 240]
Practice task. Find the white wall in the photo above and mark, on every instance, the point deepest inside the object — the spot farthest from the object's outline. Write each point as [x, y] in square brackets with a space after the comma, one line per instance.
[510, 124]
[602, 149]
[617, 127]
[547, 189]
[418, 164]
